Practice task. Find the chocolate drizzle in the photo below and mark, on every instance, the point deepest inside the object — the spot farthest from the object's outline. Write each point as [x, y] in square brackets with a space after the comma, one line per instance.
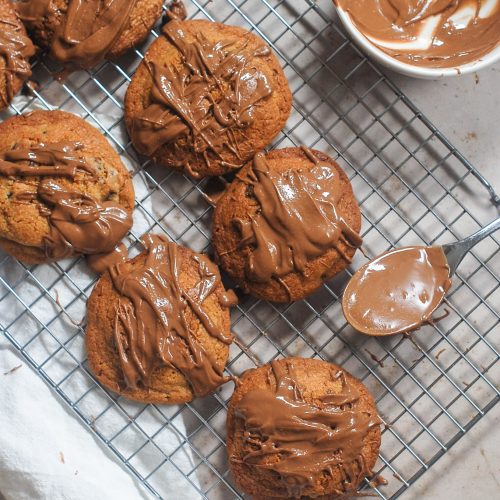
[151, 329]
[297, 221]
[307, 440]
[434, 33]
[397, 291]
[45, 159]
[212, 93]
[88, 29]
[78, 223]
[15, 48]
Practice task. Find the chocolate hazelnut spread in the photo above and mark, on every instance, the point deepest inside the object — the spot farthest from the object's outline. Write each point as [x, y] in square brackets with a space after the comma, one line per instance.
[397, 291]
[101, 262]
[308, 440]
[15, 48]
[432, 33]
[151, 329]
[78, 223]
[87, 31]
[297, 220]
[211, 93]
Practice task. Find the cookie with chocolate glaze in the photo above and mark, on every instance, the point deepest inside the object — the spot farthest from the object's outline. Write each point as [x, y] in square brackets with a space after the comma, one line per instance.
[286, 224]
[206, 97]
[301, 428]
[63, 189]
[102, 29]
[158, 325]
[15, 50]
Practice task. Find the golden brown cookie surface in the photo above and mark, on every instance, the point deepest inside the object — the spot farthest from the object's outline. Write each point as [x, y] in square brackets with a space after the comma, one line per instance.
[15, 50]
[158, 325]
[74, 162]
[102, 30]
[206, 97]
[286, 224]
[301, 428]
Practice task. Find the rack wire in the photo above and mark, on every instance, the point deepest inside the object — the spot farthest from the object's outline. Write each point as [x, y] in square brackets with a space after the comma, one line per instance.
[413, 187]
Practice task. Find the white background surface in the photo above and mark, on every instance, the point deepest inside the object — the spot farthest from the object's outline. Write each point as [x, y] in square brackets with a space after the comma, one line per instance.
[467, 110]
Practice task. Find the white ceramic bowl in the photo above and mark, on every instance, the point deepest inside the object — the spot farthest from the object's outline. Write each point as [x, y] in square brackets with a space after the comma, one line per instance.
[407, 69]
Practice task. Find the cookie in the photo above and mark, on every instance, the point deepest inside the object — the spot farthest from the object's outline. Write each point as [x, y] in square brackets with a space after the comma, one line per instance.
[206, 97]
[15, 50]
[63, 188]
[80, 35]
[301, 428]
[158, 325]
[286, 224]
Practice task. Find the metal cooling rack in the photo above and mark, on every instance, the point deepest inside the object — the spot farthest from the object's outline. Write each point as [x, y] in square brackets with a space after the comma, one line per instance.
[413, 186]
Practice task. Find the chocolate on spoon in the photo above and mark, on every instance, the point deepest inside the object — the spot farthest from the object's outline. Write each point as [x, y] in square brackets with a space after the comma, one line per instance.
[399, 290]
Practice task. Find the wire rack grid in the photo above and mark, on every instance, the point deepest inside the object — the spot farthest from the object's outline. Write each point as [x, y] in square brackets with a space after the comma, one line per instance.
[413, 187]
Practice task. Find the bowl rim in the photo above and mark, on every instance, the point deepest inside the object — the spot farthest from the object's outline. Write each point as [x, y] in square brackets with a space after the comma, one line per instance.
[409, 69]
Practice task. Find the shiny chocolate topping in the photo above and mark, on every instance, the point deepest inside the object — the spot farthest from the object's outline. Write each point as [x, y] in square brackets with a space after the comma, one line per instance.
[78, 223]
[151, 329]
[397, 291]
[15, 48]
[176, 10]
[102, 262]
[297, 220]
[309, 439]
[59, 158]
[88, 30]
[213, 92]
[432, 33]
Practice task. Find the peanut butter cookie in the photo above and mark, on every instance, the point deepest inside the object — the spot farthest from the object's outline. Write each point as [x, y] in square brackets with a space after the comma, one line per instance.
[286, 224]
[206, 97]
[63, 188]
[301, 428]
[158, 325]
[80, 35]
[15, 50]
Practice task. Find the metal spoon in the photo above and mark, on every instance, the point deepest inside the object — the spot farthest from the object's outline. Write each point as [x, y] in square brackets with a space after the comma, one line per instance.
[455, 252]
[399, 290]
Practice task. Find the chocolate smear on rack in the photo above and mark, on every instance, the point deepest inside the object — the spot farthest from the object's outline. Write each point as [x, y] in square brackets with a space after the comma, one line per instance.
[78, 223]
[310, 439]
[297, 219]
[15, 49]
[186, 100]
[88, 30]
[433, 33]
[151, 329]
[398, 291]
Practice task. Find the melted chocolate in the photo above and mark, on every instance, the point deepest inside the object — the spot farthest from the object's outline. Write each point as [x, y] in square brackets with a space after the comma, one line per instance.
[436, 33]
[15, 48]
[210, 95]
[45, 159]
[151, 330]
[309, 439]
[102, 262]
[78, 223]
[88, 29]
[297, 220]
[176, 10]
[397, 291]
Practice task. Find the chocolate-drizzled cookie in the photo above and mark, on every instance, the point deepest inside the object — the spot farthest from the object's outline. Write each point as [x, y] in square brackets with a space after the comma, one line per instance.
[15, 50]
[63, 188]
[159, 325]
[80, 35]
[206, 97]
[286, 224]
[301, 428]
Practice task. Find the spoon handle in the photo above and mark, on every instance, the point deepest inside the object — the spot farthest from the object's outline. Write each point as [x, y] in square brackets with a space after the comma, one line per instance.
[455, 252]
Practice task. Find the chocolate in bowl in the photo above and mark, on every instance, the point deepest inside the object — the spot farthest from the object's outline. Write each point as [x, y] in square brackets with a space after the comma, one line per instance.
[426, 39]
